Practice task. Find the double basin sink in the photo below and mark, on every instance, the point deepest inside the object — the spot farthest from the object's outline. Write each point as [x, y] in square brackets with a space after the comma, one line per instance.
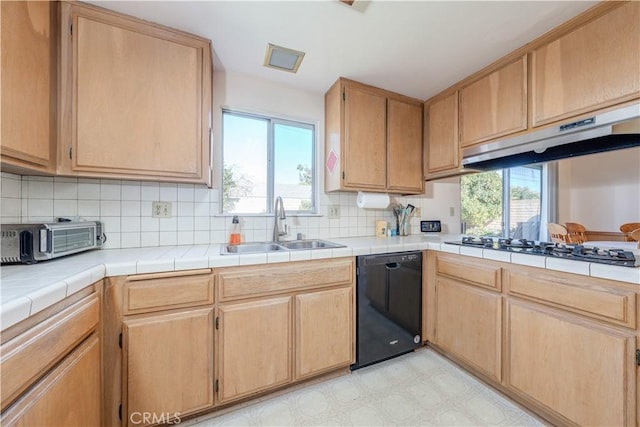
[295, 245]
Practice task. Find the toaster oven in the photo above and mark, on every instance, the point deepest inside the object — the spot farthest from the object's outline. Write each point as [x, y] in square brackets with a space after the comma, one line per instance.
[30, 243]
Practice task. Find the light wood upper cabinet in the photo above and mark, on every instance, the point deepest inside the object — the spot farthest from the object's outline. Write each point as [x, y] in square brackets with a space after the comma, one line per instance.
[582, 371]
[135, 98]
[365, 148]
[495, 105]
[404, 146]
[324, 331]
[442, 148]
[591, 67]
[168, 363]
[254, 343]
[373, 140]
[28, 85]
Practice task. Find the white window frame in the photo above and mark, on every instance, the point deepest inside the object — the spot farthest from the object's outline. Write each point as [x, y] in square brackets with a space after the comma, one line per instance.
[272, 121]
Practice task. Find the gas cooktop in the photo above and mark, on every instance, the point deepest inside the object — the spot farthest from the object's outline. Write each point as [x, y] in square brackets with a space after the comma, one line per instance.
[560, 250]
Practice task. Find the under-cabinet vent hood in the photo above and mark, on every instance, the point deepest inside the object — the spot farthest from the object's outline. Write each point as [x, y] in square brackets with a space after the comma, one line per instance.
[612, 130]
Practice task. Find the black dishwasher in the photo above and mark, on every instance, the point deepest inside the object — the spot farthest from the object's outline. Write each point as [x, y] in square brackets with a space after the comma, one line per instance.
[389, 306]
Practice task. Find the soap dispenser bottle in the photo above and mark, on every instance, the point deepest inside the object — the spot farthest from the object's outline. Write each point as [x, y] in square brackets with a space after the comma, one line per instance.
[234, 235]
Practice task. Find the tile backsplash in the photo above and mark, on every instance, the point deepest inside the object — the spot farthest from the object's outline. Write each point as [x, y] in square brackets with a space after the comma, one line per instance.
[125, 209]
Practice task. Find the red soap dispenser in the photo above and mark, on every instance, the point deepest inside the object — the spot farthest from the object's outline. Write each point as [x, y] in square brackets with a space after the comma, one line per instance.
[234, 236]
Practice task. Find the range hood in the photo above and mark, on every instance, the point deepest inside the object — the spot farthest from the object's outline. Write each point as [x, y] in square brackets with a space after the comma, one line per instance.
[612, 130]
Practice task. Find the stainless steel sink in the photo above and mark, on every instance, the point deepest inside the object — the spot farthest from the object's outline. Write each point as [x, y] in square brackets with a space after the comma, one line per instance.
[310, 244]
[295, 245]
[247, 248]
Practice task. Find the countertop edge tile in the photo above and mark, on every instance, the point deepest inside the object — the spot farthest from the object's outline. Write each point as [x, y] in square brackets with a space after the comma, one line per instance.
[194, 263]
[15, 311]
[46, 297]
[612, 272]
[529, 260]
[156, 265]
[119, 268]
[78, 282]
[224, 261]
[567, 266]
[469, 251]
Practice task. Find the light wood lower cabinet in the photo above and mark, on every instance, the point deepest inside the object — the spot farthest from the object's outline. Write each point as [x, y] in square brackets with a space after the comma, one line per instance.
[255, 347]
[563, 345]
[283, 324]
[324, 331]
[168, 364]
[469, 325]
[70, 395]
[582, 371]
[51, 365]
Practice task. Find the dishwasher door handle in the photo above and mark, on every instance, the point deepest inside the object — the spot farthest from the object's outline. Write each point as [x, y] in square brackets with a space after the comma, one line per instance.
[392, 266]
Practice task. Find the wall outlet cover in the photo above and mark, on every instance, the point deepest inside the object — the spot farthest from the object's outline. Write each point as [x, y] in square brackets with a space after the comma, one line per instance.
[161, 210]
[333, 211]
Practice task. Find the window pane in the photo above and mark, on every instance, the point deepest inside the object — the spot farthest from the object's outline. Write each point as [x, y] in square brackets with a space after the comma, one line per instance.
[293, 166]
[525, 184]
[244, 164]
[481, 198]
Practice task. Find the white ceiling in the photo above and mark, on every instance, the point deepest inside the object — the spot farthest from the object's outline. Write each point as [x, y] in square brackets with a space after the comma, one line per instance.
[415, 48]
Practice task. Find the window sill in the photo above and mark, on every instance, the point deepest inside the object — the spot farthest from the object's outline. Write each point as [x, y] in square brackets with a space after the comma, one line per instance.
[223, 215]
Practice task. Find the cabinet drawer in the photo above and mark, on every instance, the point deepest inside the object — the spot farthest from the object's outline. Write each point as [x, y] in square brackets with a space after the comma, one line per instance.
[29, 355]
[482, 274]
[243, 282]
[153, 292]
[592, 298]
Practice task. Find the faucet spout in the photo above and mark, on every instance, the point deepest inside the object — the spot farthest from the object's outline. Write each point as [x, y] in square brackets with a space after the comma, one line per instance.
[278, 215]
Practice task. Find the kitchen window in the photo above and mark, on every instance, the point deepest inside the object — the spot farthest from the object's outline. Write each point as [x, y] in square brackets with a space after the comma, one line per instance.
[266, 157]
[504, 203]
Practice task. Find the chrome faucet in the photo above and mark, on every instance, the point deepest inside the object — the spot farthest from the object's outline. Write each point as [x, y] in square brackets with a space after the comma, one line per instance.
[279, 215]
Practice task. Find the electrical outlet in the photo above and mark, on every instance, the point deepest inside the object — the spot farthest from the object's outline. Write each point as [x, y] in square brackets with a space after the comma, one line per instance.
[161, 209]
[452, 211]
[333, 211]
[417, 212]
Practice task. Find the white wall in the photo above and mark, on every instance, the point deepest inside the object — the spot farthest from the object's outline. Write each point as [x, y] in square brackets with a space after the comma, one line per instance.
[600, 191]
[125, 206]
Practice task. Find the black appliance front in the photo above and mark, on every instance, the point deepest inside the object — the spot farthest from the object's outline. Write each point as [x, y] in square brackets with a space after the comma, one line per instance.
[388, 305]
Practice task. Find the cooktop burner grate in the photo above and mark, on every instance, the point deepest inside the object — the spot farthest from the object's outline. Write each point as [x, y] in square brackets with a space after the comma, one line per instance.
[560, 250]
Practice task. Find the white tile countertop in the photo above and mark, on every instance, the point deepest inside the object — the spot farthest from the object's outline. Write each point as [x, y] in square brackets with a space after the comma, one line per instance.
[27, 289]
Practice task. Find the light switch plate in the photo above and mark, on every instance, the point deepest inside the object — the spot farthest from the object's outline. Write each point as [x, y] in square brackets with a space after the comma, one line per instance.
[161, 210]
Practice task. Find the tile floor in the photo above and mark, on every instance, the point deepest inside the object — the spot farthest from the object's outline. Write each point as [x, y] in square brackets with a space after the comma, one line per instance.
[417, 389]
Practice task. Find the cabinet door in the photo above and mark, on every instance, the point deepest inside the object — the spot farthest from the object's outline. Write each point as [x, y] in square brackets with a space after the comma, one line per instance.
[404, 146]
[324, 331]
[137, 98]
[469, 325]
[577, 369]
[70, 395]
[28, 82]
[168, 363]
[365, 139]
[254, 346]
[495, 105]
[592, 67]
[441, 146]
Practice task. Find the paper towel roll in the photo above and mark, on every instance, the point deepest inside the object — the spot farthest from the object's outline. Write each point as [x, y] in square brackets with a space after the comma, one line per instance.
[372, 200]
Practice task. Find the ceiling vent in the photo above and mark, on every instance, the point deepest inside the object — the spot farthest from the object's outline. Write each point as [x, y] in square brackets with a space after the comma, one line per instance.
[281, 58]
